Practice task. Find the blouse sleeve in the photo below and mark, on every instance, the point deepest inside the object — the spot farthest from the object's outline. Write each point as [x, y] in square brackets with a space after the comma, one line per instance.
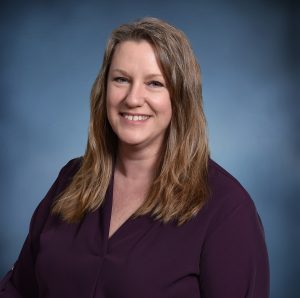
[20, 281]
[234, 262]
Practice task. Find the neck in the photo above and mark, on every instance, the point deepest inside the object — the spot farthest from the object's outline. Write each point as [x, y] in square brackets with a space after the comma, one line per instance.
[136, 164]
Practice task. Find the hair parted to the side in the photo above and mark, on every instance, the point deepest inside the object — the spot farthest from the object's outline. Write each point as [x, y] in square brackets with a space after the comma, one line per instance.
[180, 187]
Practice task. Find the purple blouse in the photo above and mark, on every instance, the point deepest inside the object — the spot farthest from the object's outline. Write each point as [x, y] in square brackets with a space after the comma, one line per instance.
[219, 253]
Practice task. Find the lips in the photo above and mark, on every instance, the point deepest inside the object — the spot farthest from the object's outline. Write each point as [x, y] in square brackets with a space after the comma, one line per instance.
[135, 117]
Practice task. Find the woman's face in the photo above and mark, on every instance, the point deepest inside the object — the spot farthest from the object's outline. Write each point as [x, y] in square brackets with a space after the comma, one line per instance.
[138, 101]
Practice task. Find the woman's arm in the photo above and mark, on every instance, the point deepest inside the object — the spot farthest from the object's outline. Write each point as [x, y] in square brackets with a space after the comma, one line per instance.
[234, 262]
[21, 280]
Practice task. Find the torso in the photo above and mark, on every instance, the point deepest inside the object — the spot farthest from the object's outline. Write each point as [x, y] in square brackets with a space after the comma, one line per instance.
[146, 257]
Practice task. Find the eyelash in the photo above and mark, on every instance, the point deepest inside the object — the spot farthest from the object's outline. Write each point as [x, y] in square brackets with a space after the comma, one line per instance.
[155, 84]
[120, 79]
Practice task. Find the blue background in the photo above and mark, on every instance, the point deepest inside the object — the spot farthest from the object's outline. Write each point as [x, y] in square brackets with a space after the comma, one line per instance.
[51, 52]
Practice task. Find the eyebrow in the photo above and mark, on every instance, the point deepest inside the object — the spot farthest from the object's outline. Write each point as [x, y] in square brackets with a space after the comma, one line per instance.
[149, 76]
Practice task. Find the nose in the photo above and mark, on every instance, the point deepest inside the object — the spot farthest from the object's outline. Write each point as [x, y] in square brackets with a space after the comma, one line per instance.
[135, 96]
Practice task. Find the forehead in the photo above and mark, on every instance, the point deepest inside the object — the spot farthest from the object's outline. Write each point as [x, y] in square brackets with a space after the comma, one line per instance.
[135, 55]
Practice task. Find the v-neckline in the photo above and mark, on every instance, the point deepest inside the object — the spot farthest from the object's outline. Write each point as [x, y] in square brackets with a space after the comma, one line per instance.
[130, 227]
[119, 229]
[109, 214]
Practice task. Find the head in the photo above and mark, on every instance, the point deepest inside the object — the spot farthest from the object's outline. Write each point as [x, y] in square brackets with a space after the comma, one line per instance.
[180, 187]
[181, 74]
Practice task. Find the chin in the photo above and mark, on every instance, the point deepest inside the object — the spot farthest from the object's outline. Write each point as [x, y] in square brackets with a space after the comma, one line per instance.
[131, 141]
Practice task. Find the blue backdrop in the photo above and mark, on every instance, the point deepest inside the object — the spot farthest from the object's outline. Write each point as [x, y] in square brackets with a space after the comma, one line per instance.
[51, 52]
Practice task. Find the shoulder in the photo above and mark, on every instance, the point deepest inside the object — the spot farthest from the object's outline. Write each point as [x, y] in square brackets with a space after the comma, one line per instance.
[63, 179]
[230, 213]
[234, 245]
[68, 171]
[228, 198]
[65, 176]
[225, 187]
[222, 181]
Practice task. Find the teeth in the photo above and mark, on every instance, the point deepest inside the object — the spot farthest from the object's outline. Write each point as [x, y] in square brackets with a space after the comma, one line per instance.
[136, 118]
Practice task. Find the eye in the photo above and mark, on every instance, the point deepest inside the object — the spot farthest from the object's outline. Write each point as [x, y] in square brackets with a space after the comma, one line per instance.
[120, 80]
[155, 84]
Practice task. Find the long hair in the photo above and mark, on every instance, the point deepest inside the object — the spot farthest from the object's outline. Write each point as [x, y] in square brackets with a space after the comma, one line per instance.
[180, 187]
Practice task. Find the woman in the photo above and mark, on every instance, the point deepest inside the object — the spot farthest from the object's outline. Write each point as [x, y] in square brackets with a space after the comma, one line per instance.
[145, 212]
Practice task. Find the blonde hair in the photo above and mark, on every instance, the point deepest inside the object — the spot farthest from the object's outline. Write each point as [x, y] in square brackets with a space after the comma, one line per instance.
[180, 187]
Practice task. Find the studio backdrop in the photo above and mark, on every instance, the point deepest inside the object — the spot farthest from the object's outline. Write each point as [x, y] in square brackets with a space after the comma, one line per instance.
[51, 52]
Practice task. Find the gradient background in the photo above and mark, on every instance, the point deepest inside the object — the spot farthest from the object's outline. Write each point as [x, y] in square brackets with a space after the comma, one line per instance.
[51, 52]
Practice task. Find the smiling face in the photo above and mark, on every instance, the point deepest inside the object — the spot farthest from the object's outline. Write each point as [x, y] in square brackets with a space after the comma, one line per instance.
[138, 101]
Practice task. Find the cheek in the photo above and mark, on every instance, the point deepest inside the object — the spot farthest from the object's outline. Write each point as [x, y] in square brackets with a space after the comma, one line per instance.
[109, 98]
[113, 97]
[111, 103]
[110, 106]
[166, 108]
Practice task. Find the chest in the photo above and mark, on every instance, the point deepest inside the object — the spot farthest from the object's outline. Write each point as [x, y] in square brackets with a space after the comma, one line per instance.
[144, 258]
[125, 201]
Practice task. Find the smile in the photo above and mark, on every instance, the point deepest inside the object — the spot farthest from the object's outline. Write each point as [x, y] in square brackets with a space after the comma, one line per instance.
[135, 117]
